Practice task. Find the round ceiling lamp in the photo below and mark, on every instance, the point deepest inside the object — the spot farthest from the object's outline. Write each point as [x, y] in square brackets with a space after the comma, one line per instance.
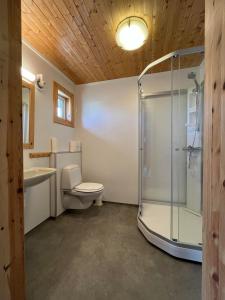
[131, 33]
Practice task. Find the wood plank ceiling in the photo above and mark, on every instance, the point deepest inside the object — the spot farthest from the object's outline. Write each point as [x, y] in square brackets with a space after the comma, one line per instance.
[78, 36]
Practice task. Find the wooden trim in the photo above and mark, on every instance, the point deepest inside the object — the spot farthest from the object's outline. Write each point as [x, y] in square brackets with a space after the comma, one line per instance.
[213, 284]
[56, 119]
[12, 281]
[39, 154]
[30, 86]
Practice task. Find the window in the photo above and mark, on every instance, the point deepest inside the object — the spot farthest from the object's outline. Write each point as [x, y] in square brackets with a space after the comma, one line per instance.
[63, 105]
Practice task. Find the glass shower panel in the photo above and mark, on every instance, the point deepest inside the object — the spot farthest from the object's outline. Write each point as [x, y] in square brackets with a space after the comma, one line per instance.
[187, 148]
[156, 151]
[178, 138]
[156, 159]
[156, 180]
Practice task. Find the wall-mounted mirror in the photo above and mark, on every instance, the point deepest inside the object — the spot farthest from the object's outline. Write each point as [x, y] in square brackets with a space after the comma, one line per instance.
[28, 96]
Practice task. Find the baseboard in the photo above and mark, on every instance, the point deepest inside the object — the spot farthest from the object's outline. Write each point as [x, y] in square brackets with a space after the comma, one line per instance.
[120, 203]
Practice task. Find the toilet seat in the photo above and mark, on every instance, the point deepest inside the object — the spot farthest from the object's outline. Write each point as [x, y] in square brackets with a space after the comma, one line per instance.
[89, 187]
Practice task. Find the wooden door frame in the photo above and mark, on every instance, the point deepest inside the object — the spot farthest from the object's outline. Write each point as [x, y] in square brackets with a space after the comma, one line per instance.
[12, 283]
[213, 280]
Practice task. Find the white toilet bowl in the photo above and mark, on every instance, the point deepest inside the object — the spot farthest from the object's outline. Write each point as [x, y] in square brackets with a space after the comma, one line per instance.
[78, 195]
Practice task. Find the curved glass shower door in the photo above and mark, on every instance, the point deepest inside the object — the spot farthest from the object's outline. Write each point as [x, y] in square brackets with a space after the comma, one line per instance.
[170, 176]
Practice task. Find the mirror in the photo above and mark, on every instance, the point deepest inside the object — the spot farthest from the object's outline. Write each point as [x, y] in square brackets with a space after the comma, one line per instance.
[28, 95]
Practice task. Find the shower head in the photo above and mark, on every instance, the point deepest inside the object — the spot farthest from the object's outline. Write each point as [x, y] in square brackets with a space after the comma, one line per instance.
[192, 75]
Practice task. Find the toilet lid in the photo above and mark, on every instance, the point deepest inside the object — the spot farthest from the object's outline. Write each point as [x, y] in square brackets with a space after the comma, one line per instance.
[88, 187]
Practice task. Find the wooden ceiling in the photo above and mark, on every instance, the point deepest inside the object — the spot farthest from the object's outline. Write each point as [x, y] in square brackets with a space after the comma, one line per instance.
[78, 36]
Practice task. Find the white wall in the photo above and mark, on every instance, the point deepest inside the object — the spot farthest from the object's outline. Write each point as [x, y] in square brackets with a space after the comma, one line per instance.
[109, 135]
[108, 128]
[37, 199]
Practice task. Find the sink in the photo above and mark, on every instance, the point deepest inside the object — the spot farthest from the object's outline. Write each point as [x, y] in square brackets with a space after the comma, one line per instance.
[37, 175]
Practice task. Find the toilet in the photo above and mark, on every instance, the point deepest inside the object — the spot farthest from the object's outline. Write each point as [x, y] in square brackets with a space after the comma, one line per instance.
[77, 194]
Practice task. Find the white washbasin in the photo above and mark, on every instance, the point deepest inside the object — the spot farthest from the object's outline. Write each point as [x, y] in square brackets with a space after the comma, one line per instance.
[37, 175]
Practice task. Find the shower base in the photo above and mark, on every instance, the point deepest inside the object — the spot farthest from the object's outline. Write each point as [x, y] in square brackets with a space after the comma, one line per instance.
[155, 223]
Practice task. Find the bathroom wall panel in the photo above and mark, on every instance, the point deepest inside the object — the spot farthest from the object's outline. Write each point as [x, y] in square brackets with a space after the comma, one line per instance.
[108, 130]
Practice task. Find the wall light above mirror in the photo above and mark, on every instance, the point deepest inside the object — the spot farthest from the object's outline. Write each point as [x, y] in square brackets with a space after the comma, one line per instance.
[30, 77]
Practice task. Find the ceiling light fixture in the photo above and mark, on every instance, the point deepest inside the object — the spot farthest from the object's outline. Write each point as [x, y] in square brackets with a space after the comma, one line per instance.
[131, 33]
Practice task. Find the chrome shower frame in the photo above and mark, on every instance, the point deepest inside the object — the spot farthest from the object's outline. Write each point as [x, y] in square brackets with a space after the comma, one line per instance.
[176, 249]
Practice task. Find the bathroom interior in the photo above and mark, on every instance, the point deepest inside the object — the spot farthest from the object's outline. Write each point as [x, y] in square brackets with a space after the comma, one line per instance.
[112, 113]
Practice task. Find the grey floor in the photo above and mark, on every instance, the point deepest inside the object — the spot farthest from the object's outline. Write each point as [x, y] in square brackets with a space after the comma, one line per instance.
[100, 254]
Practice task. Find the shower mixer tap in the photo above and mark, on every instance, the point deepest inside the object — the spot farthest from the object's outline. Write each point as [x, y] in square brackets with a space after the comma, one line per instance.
[191, 148]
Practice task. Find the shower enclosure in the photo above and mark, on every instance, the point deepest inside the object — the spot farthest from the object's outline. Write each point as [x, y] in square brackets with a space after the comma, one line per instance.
[170, 152]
